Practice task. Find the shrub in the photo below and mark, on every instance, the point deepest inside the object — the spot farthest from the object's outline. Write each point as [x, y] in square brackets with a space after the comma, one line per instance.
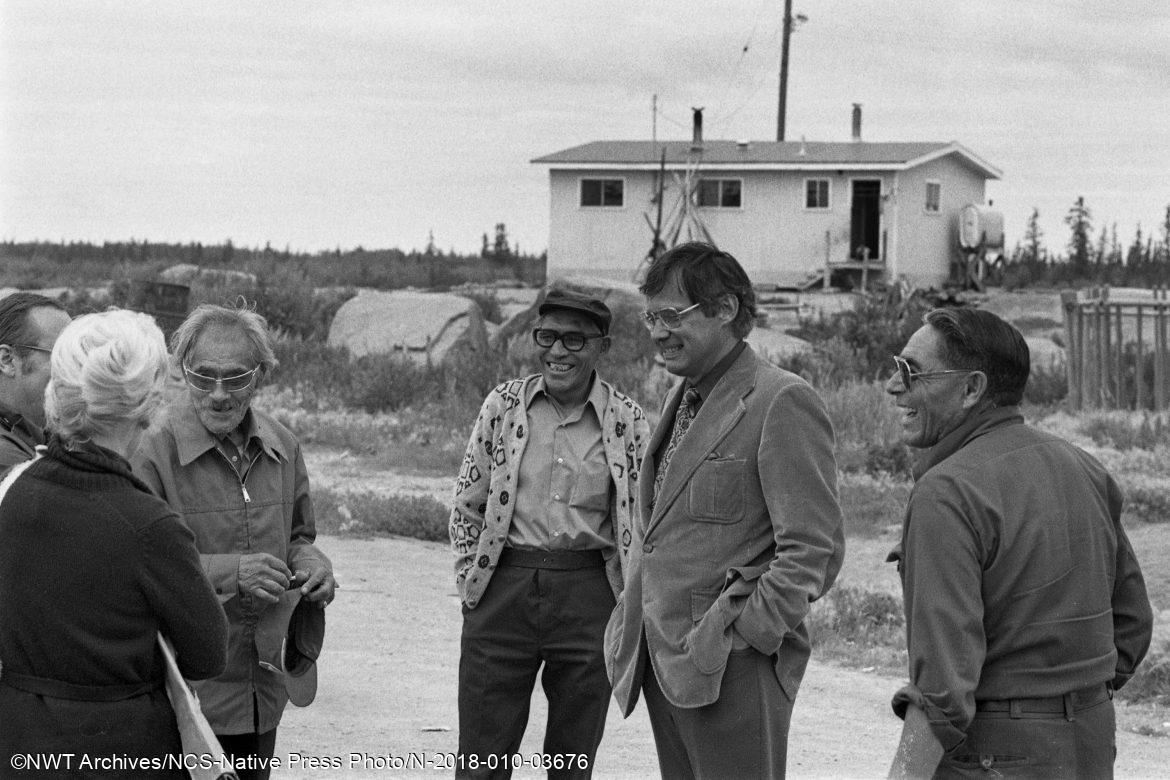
[368, 513]
[868, 427]
[1124, 431]
[871, 505]
[1147, 498]
[1152, 680]
[1046, 386]
[864, 626]
[877, 327]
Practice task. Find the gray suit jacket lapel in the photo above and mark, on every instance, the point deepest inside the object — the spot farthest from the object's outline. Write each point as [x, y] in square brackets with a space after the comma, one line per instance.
[718, 415]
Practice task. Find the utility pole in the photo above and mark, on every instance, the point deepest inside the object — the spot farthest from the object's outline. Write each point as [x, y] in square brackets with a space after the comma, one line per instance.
[784, 70]
[654, 118]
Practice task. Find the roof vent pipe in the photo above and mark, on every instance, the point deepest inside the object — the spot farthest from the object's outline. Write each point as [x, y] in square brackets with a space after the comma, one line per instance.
[803, 151]
[697, 137]
[856, 121]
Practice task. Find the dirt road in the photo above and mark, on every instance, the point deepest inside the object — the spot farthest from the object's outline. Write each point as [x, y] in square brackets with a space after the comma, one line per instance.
[388, 689]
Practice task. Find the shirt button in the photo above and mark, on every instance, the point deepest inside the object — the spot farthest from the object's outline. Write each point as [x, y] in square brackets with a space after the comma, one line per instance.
[557, 496]
[647, 548]
[560, 460]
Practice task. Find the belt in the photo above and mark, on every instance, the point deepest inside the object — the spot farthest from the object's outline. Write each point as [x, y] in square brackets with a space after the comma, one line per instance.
[1053, 706]
[59, 689]
[561, 560]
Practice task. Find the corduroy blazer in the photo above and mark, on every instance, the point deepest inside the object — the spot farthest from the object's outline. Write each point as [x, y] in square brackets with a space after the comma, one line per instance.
[746, 534]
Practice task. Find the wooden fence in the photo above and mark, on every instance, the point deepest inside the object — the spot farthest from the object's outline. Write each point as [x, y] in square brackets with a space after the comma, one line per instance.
[1117, 344]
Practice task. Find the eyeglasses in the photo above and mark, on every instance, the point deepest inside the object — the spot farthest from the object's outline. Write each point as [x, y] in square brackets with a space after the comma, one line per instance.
[30, 346]
[670, 317]
[908, 375]
[574, 341]
[229, 384]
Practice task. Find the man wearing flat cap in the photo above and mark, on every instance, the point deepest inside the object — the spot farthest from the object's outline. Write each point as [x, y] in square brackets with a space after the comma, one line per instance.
[541, 530]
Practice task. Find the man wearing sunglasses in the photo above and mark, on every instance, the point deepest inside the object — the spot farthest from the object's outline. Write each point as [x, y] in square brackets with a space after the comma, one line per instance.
[29, 326]
[1025, 606]
[542, 530]
[238, 478]
[739, 531]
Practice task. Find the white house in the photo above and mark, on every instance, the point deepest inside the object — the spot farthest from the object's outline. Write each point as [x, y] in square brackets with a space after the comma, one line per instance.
[786, 210]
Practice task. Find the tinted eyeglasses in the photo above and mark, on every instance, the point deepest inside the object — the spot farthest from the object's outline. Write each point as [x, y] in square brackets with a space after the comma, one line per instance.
[908, 375]
[573, 340]
[230, 384]
[670, 317]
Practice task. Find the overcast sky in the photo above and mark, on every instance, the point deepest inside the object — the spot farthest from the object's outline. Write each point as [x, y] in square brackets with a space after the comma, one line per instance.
[326, 124]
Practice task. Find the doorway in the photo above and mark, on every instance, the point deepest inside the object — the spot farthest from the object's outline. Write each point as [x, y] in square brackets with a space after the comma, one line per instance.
[865, 220]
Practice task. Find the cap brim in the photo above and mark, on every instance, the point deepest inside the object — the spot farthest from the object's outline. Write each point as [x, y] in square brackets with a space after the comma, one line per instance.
[301, 682]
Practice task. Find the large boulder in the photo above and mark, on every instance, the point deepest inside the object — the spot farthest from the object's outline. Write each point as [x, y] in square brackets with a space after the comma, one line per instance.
[421, 326]
[630, 341]
[193, 275]
[777, 346]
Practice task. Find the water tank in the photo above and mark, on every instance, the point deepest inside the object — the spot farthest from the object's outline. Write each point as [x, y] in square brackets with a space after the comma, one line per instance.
[980, 227]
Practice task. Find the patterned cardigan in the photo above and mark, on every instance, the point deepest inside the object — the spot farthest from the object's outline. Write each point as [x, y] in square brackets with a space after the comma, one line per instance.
[482, 512]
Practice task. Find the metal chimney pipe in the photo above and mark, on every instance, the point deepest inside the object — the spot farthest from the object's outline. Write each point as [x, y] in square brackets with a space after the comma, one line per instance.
[856, 121]
[697, 137]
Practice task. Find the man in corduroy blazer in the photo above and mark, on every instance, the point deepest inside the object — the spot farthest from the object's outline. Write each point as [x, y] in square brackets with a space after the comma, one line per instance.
[739, 532]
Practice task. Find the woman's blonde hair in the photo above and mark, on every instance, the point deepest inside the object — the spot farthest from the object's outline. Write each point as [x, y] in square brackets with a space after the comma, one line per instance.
[106, 368]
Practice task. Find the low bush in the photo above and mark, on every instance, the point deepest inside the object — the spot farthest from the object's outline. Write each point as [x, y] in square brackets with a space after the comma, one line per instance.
[370, 514]
[863, 627]
[1046, 386]
[877, 327]
[872, 505]
[1151, 683]
[868, 427]
[1125, 430]
[1147, 498]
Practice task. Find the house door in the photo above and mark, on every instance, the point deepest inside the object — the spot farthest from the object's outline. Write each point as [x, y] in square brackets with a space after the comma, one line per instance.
[865, 220]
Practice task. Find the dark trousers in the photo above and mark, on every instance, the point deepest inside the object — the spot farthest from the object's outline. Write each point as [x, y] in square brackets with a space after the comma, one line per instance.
[742, 735]
[1031, 744]
[259, 747]
[529, 617]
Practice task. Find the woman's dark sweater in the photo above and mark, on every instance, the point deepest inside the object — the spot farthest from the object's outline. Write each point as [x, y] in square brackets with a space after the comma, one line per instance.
[92, 565]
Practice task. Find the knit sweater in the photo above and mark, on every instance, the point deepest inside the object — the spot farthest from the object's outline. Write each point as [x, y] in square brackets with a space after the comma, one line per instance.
[92, 565]
[481, 511]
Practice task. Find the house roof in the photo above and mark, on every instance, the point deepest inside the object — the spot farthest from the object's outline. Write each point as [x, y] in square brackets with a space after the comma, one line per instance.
[763, 155]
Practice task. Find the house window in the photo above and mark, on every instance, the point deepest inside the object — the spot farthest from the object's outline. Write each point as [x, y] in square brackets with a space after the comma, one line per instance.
[603, 192]
[816, 193]
[720, 193]
[933, 196]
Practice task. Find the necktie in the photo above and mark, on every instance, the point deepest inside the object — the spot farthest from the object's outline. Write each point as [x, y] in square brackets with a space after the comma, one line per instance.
[682, 423]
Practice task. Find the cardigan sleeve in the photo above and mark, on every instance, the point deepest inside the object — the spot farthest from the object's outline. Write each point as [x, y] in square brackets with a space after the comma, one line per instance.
[471, 489]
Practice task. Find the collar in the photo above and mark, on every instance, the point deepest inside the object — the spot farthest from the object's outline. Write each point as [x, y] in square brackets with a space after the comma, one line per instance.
[970, 429]
[16, 422]
[707, 383]
[192, 439]
[598, 395]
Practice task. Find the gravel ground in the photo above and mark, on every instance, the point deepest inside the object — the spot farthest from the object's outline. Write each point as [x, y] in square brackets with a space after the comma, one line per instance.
[386, 705]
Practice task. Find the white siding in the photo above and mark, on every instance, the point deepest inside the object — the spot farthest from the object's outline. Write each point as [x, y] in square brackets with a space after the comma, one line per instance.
[773, 235]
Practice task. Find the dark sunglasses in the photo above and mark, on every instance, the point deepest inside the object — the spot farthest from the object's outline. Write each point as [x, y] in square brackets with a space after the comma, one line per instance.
[230, 384]
[574, 341]
[908, 375]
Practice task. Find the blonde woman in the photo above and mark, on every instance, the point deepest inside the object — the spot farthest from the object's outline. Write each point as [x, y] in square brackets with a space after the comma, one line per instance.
[93, 565]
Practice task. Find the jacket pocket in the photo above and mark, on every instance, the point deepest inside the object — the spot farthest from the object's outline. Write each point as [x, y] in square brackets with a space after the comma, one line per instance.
[715, 493]
[709, 640]
[612, 638]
